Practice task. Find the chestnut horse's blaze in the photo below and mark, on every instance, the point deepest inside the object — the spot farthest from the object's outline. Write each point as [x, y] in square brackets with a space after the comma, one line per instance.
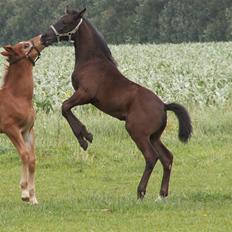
[16, 108]
[97, 80]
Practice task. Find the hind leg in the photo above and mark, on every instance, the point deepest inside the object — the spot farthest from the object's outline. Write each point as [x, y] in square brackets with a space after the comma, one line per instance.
[143, 143]
[166, 158]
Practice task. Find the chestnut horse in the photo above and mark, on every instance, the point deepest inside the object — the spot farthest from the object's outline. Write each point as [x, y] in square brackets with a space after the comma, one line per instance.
[97, 80]
[17, 115]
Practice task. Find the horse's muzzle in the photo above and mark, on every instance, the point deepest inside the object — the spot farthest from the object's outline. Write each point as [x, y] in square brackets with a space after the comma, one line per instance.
[45, 40]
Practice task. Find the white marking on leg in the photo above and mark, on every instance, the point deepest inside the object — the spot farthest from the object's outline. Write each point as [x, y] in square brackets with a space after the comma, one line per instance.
[24, 182]
[33, 200]
[25, 176]
[29, 139]
[25, 194]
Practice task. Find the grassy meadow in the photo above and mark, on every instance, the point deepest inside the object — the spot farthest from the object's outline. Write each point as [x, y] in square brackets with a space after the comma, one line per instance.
[96, 190]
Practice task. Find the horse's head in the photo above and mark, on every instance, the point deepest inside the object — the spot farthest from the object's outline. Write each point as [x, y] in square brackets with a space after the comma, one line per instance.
[26, 49]
[64, 28]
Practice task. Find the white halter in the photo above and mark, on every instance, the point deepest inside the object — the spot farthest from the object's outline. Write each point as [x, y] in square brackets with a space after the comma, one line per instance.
[69, 34]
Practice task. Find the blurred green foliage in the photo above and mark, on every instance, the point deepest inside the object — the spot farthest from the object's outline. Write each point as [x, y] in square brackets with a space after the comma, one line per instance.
[124, 21]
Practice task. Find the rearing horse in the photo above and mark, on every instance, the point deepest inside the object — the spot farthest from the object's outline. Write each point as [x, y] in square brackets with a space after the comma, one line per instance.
[97, 80]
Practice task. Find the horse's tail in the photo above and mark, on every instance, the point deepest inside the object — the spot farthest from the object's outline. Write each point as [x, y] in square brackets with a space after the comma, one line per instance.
[185, 127]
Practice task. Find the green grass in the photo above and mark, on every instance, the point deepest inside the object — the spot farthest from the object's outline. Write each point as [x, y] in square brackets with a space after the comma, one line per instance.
[96, 190]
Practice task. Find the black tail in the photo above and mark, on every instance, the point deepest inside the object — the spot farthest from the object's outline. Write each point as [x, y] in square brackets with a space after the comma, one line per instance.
[185, 127]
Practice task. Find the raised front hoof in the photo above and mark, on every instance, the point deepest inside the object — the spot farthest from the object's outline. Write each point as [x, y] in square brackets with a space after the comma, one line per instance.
[83, 144]
[89, 137]
[141, 195]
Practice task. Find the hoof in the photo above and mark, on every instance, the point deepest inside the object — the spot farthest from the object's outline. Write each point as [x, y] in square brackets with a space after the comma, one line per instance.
[25, 195]
[82, 137]
[161, 199]
[84, 145]
[84, 133]
[141, 195]
[82, 142]
[26, 199]
[34, 201]
[89, 137]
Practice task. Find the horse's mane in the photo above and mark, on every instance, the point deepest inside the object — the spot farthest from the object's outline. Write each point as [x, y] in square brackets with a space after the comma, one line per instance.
[102, 43]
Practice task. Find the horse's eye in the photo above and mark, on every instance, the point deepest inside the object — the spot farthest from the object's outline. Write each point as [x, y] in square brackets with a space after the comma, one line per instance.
[26, 46]
[64, 22]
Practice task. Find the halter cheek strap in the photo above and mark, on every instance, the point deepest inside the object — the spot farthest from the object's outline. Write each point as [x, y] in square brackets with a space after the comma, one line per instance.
[27, 56]
[38, 54]
[68, 34]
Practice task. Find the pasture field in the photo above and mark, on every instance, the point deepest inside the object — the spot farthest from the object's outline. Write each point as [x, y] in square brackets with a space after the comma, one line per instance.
[96, 190]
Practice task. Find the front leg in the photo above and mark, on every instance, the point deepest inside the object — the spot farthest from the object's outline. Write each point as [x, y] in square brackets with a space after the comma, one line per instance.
[29, 140]
[15, 135]
[80, 97]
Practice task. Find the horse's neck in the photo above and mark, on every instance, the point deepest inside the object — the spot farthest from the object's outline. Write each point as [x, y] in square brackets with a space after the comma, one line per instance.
[86, 45]
[18, 80]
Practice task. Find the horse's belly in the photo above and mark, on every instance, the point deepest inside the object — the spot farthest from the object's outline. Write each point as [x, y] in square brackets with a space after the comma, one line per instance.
[75, 81]
[116, 112]
[23, 119]
[26, 122]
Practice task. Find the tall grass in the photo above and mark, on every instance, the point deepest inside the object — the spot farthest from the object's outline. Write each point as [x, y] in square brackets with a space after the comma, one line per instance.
[196, 74]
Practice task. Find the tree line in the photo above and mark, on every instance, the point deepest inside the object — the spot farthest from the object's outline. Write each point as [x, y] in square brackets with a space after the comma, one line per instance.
[124, 21]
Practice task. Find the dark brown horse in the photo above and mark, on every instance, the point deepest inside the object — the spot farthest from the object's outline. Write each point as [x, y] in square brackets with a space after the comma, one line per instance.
[97, 80]
[17, 115]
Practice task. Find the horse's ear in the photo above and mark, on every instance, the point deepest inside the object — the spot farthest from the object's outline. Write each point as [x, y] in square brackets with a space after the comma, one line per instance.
[79, 15]
[82, 13]
[67, 10]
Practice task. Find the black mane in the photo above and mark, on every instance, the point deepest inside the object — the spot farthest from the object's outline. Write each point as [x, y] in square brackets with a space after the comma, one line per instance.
[101, 43]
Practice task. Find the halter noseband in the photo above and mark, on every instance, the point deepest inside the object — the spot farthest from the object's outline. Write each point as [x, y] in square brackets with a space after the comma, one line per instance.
[27, 56]
[68, 34]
